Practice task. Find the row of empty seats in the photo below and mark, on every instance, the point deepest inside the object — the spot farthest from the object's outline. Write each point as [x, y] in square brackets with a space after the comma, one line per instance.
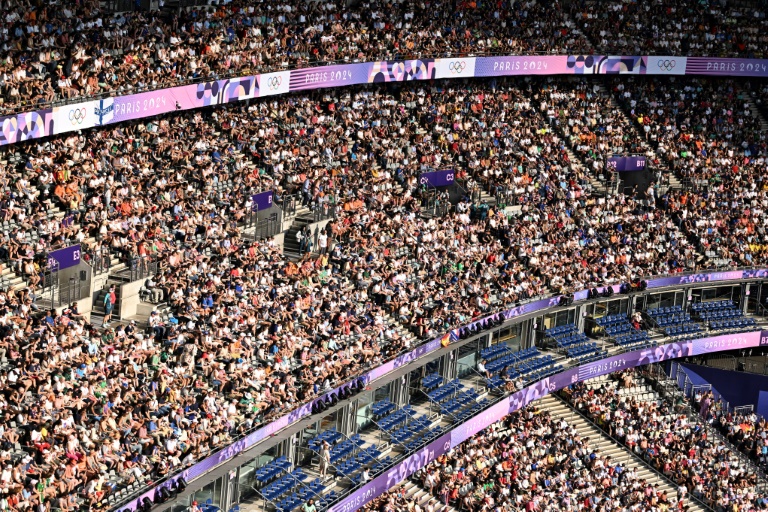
[680, 330]
[272, 470]
[634, 340]
[313, 490]
[720, 314]
[672, 319]
[712, 305]
[330, 436]
[611, 320]
[495, 351]
[382, 408]
[275, 490]
[561, 330]
[587, 352]
[396, 418]
[431, 381]
[666, 310]
[732, 324]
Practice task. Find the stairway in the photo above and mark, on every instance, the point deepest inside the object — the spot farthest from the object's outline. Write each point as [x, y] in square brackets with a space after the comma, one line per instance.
[417, 494]
[98, 311]
[304, 216]
[606, 446]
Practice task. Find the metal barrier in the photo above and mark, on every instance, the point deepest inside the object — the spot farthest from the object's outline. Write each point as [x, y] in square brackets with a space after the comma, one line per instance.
[266, 228]
[324, 212]
[139, 268]
[288, 204]
[99, 261]
[61, 294]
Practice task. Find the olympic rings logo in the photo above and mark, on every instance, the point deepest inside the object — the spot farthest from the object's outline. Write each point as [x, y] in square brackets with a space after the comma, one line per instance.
[457, 66]
[666, 65]
[77, 116]
[274, 82]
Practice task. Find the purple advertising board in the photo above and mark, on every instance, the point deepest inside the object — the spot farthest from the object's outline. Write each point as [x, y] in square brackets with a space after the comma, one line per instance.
[437, 178]
[626, 163]
[521, 398]
[92, 113]
[64, 258]
[262, 201]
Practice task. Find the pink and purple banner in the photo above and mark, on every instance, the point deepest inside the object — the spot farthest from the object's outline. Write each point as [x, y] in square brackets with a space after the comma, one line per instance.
[91, 113]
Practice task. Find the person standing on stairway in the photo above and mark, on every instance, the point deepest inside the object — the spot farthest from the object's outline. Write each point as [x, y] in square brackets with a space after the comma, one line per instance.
[109, 304]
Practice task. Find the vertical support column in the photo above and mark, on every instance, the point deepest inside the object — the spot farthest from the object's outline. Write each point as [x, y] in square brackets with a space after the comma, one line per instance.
[745, 291]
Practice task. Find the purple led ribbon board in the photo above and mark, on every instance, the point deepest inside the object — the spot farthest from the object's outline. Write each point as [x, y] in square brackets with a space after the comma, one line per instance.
[88, 114]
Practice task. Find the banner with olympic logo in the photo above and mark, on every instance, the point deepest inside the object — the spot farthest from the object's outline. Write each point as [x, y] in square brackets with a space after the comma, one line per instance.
[69, 118]
[666, 65]
[455, 68]
[271, 84]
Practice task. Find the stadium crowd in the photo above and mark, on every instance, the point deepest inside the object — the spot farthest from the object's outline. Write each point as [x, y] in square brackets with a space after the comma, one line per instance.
[746, 430]
[675, 443]
[252, 333]
[79, 50]
[531, 461]
[52, 54]
[674, 27]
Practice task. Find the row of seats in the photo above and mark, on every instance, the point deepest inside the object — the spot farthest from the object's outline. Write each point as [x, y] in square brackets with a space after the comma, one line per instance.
[526, 353]
[441, 393]
[312, 491]
[464, 405]
[713, 305]
[560, 330]
[284, 484]
[415, 427]
[721, 314]
[609, 320]
[494, 351]
[536, 374]
[667, 310]
[346, 448]
[672, 319]
[515, 359]
[364, 457]
[431, 381]
[396, 418]
[272, 470]
[571, 340]
[678, 330]
[581, 350]
[637, 339]
[381, 408]
[330, 436]
[734, 323]
[617, 329]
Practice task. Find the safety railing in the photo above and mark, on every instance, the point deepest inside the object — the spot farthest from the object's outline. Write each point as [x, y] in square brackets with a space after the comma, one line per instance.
[140, 267]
